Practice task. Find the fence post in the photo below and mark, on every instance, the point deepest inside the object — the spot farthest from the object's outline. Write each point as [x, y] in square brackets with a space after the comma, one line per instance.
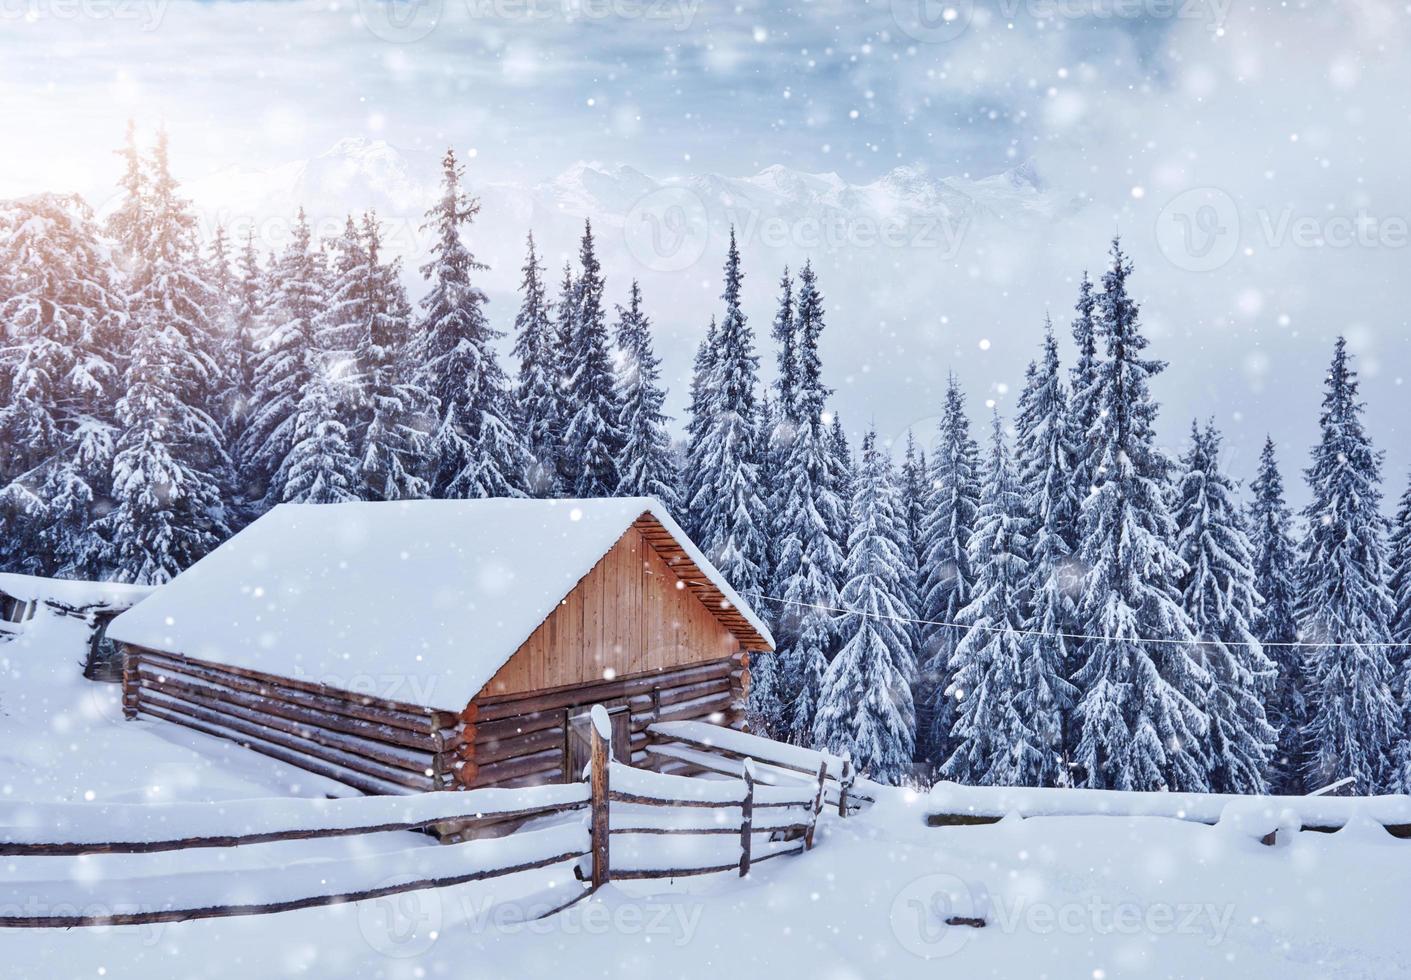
[817, 805]
[747, 817]
[601, 741]
[130, 693]
[844, 784]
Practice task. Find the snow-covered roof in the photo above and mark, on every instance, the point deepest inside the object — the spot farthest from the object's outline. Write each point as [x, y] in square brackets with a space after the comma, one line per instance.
[72, 594]
[428, 596]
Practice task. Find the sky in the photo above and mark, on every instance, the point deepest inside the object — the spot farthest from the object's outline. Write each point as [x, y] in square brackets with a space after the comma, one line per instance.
[1253, 155]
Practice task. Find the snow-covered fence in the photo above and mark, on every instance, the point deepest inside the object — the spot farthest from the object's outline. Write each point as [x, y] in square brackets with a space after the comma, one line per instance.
[670, 826]
[711, 748]
[664, 825]
[951, 804]
[55, 831]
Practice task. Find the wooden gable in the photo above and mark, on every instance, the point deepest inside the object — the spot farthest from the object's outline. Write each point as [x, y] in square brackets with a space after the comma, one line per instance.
[642, 607]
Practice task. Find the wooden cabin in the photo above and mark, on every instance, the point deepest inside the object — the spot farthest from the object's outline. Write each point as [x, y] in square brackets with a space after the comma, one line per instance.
[26, 598]
[423, 645]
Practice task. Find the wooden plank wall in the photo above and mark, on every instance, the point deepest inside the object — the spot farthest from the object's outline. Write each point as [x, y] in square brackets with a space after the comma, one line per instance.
[521, 740]
[630, 614]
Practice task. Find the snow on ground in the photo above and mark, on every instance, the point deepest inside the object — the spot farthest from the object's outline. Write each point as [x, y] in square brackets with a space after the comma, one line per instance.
[1083, 897]
[1064, 896]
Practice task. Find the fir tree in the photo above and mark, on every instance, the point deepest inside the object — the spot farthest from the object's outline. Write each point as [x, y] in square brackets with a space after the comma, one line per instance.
[565, 326]
[475, 449]
[996, 744]
[128, 224]
[1276, 622]
[536, 392]
[62, 314]
[592, 437]
[727, 509]
[1220, 598]
[807, 520]
[785, 333]
[946, 574]
[646, 465]
[1046, 451]
[699, 417]
[170, 465]
[1345, 609]
[284, 364]
[1141, 714]
[1085, 402]
[396, 441]
[866, 707]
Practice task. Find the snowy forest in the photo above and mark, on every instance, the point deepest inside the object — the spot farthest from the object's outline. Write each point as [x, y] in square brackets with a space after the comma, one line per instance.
[1048, 599]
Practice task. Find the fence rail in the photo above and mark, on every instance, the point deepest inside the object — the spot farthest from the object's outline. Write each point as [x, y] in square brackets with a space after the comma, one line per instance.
[768, 819]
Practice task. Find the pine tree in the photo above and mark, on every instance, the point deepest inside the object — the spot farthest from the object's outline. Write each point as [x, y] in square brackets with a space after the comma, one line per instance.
[1046, 451]
[593, 435]
[565, 406]
[536, 392]
[727, 509]
[285, 363]
[806, 521]
[475, 449]
[1345, 609]
[1085, 401]
[367, 343]
[1220, 598]
[242, 354]
[1141, 715]
[62, 314]
[946, 574]
[128, 224]
[995, 745]
[865, 708]
[913, 491]
[1276, 624]
[699, 417]
[170, 465]
[785, 333]
[646, 465]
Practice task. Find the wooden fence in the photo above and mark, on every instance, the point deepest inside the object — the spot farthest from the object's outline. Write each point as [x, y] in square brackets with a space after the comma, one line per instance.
[622, 804]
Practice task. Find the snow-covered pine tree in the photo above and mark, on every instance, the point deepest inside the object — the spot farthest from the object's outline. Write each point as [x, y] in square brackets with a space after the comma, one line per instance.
[170, 466]
[806, 520]
[565, 405]
[866, 708]
[321, 467]
[840, 475]
[394, 445]
[913, 490]
[536, 389]
[784, 330]
[1276, 623]
[946, 574]
[1219, 595]
[1045, 453]
[645, 464]
[128, 224]
[284, 364]
[727, 509]
[698, 421]
[252, 289]
[1399, 577]
[1084, 400]
[1345, 609]
[475, 449]
[1141, 716]
[994, 743]
[592, 437]
[62, 316]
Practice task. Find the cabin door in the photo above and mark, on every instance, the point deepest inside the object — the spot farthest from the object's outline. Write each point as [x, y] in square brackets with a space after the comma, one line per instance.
[580, 750]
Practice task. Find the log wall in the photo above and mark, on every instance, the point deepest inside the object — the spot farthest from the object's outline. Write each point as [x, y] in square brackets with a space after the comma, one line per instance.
[372, 744]
[522, 740]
